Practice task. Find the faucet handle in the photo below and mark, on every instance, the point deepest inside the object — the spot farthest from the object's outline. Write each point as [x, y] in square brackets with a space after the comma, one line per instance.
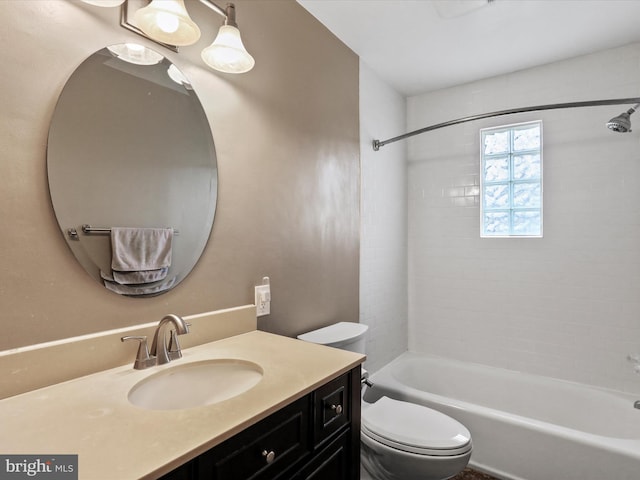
[143, 359]
[174, 351]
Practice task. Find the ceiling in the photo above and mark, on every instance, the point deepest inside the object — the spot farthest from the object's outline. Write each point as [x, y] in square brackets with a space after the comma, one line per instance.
[417, 46]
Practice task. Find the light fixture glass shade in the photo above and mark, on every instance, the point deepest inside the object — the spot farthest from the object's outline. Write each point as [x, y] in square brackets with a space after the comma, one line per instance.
[136, 54]
[227, 53]
[178, 77]
[167, 21]
[104, 3]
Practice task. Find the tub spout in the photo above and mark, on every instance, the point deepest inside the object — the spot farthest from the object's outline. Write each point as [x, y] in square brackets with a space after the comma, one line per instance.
[636, 404]
[364, 379]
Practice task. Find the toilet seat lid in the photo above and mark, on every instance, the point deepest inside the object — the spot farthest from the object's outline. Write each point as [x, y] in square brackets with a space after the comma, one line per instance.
[415, 428]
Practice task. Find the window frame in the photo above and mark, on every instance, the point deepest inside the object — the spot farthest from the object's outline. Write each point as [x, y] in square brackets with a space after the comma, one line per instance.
[511, 181]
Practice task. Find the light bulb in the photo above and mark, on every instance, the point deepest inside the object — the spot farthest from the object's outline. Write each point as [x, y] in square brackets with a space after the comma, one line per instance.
[168, 23]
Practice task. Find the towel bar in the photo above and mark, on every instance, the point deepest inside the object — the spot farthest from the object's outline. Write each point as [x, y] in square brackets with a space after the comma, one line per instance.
[88, 230]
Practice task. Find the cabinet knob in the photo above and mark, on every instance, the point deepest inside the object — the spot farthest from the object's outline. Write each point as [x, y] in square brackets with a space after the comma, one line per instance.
[337, 408]
[269, 456]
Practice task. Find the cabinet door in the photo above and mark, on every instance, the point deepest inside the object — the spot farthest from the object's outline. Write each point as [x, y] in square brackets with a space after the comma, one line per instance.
[332, 463]
[332, 408]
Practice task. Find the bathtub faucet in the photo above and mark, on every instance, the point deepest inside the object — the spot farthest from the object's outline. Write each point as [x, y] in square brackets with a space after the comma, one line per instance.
[364, 379]
[636, 404]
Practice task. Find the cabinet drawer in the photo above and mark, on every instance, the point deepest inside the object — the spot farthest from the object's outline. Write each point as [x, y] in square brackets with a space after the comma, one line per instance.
[332, 408]
[262, 451]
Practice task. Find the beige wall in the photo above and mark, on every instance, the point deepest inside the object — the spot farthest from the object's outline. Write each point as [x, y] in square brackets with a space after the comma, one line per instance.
[286, 136]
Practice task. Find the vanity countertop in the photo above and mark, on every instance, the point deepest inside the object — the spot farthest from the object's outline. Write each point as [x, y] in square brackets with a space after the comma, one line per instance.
[92, 417]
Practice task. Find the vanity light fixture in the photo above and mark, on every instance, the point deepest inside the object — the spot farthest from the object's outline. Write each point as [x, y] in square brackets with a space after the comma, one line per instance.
[168, 23]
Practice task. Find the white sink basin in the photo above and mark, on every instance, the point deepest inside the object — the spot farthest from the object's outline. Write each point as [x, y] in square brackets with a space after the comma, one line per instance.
[195, 384]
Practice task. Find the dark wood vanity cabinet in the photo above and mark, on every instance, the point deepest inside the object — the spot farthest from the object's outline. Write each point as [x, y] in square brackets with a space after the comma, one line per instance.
[316, 437]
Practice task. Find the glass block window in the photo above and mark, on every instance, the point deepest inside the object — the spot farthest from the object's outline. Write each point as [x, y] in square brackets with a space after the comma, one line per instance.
[511, 181]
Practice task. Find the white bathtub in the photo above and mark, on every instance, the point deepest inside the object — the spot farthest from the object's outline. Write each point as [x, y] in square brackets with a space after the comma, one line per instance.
[523, 427]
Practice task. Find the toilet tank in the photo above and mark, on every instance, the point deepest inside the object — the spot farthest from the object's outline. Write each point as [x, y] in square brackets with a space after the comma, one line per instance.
[344, 335]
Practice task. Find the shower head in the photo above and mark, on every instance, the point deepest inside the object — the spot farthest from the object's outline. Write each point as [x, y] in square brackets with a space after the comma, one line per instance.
[622, 123]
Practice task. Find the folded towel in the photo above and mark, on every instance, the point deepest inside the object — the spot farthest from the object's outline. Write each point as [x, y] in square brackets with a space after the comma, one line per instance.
[131, 278]
[139, 290]
[136, 249]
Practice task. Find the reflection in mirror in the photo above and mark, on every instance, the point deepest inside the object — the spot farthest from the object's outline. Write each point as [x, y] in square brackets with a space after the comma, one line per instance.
[131, 157]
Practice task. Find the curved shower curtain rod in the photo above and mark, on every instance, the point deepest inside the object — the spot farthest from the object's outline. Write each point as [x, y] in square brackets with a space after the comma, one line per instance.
[593, 103]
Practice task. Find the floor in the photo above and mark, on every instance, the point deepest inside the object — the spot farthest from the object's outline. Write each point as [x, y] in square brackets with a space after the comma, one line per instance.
[466, 474]
[469, 474]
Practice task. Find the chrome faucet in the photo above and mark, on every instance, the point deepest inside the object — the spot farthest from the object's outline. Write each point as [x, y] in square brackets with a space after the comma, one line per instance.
[159, 345]
[159, 353]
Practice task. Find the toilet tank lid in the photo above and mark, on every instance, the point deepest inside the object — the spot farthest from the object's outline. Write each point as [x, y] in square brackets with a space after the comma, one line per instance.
[337, 333]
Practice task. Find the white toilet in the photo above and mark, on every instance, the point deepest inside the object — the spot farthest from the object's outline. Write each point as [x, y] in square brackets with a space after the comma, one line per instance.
[400, 440]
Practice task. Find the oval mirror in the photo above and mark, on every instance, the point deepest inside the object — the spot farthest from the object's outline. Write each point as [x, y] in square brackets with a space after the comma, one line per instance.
[131, 155]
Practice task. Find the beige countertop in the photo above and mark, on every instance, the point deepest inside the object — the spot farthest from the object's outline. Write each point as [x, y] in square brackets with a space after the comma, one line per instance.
[92, 417]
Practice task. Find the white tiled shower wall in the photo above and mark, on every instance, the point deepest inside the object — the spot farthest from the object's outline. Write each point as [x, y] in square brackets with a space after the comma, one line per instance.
[566, 305]
[383, 244]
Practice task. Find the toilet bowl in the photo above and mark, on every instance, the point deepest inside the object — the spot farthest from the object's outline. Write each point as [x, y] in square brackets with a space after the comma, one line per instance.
[400, 440]
[405, 441]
